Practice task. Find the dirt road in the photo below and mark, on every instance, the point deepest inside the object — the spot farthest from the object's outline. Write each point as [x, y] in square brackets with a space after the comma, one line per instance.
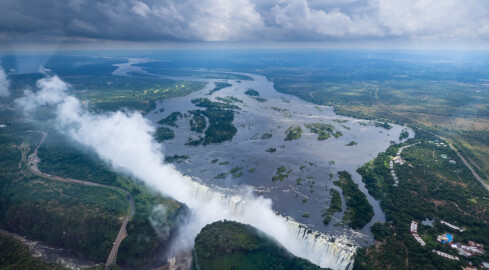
[33, 165]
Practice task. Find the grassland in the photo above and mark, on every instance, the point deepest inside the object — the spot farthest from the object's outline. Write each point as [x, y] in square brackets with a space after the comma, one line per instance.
[110, 93]
[455, 110]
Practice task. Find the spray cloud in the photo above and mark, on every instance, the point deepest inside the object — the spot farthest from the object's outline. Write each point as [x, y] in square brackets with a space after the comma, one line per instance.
[4, 83]
[124, 140]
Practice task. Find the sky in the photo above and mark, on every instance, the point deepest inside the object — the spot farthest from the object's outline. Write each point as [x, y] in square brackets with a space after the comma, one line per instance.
[341, 22]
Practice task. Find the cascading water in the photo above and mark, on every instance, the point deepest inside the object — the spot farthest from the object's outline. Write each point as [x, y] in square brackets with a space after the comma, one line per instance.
[321, 249]
[125, 140]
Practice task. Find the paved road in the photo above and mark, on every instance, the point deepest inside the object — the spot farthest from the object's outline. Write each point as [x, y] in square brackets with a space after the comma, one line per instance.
[33, 162]
[476, 175]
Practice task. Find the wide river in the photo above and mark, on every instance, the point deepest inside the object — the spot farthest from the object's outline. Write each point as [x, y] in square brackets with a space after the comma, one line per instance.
[307, 158]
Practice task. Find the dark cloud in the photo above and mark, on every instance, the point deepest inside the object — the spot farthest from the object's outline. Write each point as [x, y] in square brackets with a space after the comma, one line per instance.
[242, 20]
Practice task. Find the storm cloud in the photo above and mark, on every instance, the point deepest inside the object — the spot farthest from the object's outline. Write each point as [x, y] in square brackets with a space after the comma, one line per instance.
[242, 20]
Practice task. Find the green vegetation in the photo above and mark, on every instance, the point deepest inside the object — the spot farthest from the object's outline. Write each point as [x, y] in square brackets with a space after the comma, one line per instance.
[384, 125]
[404, 135]
[163, 133]
[195, 141]
[381, 231]
[234, 172]
[335, 206]
[252, 92]
[98, 226]
[305, 215]
[110, 93]
[278, 109]
[337, 134]
[430, 97]
[351, 143]
[293, 133]
[197, 122]
[324, 131]
[281, 174]
[299, 181]
[224, 163]
[15, 255]
[229, 99]
[220, 117]
[359, 211]
[219, 86]
[171, 119]
[266, 136]
[271, 150]
[176, 158]
[429, 187]
[157, 68]
[207, 103]
[260, 99]
[231, 245]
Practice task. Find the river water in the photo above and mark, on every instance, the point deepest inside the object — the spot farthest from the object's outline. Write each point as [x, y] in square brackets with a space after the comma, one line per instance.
[308, 158]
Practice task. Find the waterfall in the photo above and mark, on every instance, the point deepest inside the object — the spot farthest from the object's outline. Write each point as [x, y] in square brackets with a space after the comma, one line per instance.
[335, 252]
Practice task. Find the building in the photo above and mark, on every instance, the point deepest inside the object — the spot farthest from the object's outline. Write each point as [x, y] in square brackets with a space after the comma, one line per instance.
[419, 239]
[448, 256]
[476, 245]
[398, 160]
[452, 226]
[414, 227]
[471, 249]
[445, 238]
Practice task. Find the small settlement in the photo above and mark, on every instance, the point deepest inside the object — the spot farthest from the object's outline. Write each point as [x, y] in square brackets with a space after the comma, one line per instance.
[398, 159]
[472, 248]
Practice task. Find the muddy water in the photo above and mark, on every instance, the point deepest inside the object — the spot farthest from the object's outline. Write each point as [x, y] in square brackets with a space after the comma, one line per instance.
[307, 158]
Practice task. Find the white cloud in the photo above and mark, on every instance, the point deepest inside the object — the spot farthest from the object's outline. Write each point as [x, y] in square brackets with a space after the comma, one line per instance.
[125, 140]
[141, 9]
[252, 20]
[297, 18]
[4, 83]
[52, 91]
